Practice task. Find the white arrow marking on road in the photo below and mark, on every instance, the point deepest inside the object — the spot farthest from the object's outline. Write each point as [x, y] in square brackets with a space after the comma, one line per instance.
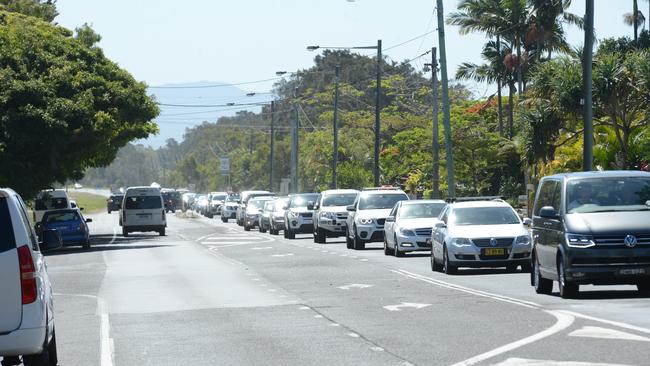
[598, 332]
[405, 305]
[355, 285]
[530, 362]
[282, 255]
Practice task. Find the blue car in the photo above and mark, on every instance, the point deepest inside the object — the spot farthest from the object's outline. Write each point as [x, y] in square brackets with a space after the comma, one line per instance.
[70, 223]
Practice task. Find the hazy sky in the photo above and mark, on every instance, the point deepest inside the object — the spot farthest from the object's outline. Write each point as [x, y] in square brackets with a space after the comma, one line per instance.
[163, 41]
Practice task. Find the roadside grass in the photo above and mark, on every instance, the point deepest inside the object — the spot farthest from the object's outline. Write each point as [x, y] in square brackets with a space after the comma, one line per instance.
[91, 203]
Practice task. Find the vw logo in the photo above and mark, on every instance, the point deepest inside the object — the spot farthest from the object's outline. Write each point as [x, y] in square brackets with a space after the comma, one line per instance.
[630, 241]
[493, 242]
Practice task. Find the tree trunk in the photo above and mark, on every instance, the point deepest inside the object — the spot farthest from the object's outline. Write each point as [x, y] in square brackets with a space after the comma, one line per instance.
[635, 20]
[519, 78]
[511, 131]
[499, 104]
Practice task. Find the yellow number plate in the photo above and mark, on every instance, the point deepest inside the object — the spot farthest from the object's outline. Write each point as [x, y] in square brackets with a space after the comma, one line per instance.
[494, 251]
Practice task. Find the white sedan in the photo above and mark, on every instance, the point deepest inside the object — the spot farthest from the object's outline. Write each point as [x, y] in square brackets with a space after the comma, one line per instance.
[408, 228]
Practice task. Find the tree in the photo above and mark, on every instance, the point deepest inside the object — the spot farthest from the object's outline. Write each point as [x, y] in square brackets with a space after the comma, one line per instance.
[634, 19]
[64, 107]
[45, 10]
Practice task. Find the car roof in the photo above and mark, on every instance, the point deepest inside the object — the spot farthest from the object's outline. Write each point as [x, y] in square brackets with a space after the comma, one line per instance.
[600, 174]
[493, 203]
[415, 202]
[382, 191]
[338, 191]
[6, 192]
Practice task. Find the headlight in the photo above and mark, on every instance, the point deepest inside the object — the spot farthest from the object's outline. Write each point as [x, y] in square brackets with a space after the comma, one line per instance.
[461, 242]
[579, 241]
[522, 240]
[407, 232]
[365, 221]
[328, 215]
[293, 214]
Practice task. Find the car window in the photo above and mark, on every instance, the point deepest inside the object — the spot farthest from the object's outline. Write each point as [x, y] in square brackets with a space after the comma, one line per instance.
[258, 204]
[47, 202]
[484, 216]
[302, 200]
[393, 212]
[545, 197]
[28, 224]
[608, 194]
[7, 237]
[421, 210]
[61, 216]
[342, 199]
[143, 202]
[377, 201]
[445, 215]
[279, 204]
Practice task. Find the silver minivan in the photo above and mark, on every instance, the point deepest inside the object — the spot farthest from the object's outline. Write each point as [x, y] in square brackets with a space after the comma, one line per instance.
[26, 303]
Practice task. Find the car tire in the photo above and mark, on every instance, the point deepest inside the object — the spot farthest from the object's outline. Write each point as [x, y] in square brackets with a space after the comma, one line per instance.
[86, 244]
[643, 287]
[359, 244]
[541, 284]
[386, 249]
[161, 232]
[125, 232]
[109, 211]
[247, 228]
[568, 290]
[319, 236]
[398, 253]
[47, 357]
[262, 229]
[348, 242]
[224, 219]
[447, 267]
[289, 234]
[435, 266]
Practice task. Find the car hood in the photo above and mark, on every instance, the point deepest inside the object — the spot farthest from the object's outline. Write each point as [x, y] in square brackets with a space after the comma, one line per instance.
[488, 231]
[253, 211]
[336, 209]
[374, 214]
[300, 209]
[608, 223]
[231, 204]
[417, 223]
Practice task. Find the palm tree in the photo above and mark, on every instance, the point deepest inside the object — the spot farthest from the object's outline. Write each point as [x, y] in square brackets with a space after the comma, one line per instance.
[635, 19]
[545, 32]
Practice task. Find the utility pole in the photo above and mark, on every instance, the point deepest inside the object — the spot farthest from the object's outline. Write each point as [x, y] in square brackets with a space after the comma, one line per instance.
[588, 153]
[294, 144]
[451, 191]
[435, 144]
[272, 143]
[377, 115]
[335, 129]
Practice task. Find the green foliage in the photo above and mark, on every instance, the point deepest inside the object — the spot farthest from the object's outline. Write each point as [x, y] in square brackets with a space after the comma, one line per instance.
[44, 10]
[64, 107]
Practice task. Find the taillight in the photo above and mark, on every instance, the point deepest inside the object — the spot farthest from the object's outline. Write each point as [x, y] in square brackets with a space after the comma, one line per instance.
[27, 275]
[82, 228]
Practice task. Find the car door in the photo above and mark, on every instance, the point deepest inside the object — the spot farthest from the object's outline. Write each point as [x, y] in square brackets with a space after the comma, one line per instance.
[10, 290]
[438, 234]
[389, 227]
[351, 215]
[542, 227]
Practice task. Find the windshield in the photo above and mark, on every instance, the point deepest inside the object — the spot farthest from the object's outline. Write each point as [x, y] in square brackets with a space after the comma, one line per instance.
[303, 199]
[343, 199]
[258, 204]
[219, 198]
[143, 202]
[232, 198]
[269, 206]
[378, 201]
[61, 216]
[484, 216]
[608, 195]
[279, 204]
[421, 210]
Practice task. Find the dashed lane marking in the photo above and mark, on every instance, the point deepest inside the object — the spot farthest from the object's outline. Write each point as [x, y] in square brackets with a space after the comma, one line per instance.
[531, 362]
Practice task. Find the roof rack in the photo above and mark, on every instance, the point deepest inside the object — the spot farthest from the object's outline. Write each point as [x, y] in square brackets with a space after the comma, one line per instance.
[480, 198]
[385, 188]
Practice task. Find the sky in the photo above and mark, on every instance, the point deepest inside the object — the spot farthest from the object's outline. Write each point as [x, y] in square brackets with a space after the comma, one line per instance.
[163, 42]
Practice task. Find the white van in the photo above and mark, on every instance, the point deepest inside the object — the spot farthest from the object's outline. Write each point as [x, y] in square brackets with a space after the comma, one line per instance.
[51, 199]
[143, 210]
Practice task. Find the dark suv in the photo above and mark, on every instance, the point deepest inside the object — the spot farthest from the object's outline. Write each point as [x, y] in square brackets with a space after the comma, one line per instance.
[114, 202]
[591, 228]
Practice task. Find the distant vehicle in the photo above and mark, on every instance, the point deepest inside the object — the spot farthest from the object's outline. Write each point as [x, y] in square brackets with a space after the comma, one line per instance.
[114, 202]
[143, 211]
[229, 207]
[330, 213]
[245, 196]
[201, 204]
[591, 228]
[265, 218]
[172, 200]
[254, 211]
[188, 201]
[368, 213]
[216, 199]
[409, 224]
[298, 218]
[78, 186]
[475, 234]
[277, 216]
[27, 316]
[50, 200]
[70, 223]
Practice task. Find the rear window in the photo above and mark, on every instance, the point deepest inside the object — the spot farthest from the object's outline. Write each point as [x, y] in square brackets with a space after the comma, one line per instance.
[61, 216]
[7, 238]
[143, 202]
[50, 203]
[421, 210]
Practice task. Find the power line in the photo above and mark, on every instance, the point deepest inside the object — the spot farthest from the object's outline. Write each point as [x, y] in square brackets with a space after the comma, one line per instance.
[215, 85]
[410, 40]
[212, 105]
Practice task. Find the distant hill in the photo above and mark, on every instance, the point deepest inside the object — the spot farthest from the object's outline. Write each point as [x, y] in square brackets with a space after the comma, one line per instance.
[174, 120]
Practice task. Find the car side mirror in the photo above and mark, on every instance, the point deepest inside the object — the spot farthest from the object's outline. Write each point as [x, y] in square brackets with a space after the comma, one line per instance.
[81, 208]
[89, 220]
[440, 225]
[527, 221]
[51, 240]
[548, 212]
[310, 205]
[351, 208]
[390, 219]
[285, 207]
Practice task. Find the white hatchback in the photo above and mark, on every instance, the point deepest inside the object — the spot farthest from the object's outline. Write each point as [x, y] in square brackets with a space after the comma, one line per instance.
[26, 303]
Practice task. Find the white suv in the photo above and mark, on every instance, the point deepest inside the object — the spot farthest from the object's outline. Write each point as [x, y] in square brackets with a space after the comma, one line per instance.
[27, 314]
[330, 213]
[366, 218]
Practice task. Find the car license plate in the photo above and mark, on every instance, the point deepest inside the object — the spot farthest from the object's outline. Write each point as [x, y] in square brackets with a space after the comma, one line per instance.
[632, 271]
[494, 251]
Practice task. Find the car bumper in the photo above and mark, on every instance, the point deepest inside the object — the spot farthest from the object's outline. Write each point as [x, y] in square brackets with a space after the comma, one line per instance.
[145, 228]
[72, 239]
[301, 224]
[251, 221]
[370, 233]
[609, 267]
[22, 342]
[413, 243]
[473, 257]
[278, 224]
[333, 227]
[229, 214]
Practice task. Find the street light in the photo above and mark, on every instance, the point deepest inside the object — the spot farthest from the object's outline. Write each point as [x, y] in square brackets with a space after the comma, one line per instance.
[377, 98]
[294, 140]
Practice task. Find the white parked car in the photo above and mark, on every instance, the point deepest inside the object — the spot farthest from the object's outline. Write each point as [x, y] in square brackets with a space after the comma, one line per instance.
[26, 301]
[298, 218]
[480, 234]
[408, 228]
[330, 213]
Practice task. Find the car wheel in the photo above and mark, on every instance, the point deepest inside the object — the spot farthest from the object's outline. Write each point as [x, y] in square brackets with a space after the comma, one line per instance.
[45, 358]
[568, 290]
[320, 237]
[162, 232]
[109, 212]
[262, 229]
[289, 234]
[447, 267]
[398, 253]
[348, 242]
[125, 232]
[359, 244]
[435, 266]
[386, 249]
[247, 228]
[541, 284]
[86, 244]
[643, 287]
[224, 219]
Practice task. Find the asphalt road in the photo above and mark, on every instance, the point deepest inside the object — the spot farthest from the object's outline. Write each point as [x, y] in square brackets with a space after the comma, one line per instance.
[211, 294]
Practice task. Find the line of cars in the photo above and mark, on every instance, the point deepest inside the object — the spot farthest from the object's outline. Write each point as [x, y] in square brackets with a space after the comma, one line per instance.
[586, 228]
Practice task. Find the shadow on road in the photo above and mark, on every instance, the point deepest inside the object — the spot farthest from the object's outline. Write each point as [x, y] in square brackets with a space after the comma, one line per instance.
[485, 271]
[100, 243]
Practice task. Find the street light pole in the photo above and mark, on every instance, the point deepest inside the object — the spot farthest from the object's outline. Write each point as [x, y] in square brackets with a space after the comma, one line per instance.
[272, 143]
[451, 191]
[294, 145]
[377, 115]
[588, 153]
[435, 143]
[335, 130]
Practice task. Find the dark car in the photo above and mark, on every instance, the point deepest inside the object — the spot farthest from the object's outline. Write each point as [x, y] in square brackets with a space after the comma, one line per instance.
[173, 200]
[591, 228]
[114, 202]
[70, 223]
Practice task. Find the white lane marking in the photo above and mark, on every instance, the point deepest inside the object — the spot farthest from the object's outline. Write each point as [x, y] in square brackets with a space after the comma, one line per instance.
[105, 341]
[363, 260]
[282, 255]
[304, 308]
[598, 332]
[399, 307]
[610, 322]
[318, 316]
[531, 362]
[335, 325]
[261, 248]
[377, 349]
[563, 321]
[114, 236]
[353, 335]
[355, 285]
